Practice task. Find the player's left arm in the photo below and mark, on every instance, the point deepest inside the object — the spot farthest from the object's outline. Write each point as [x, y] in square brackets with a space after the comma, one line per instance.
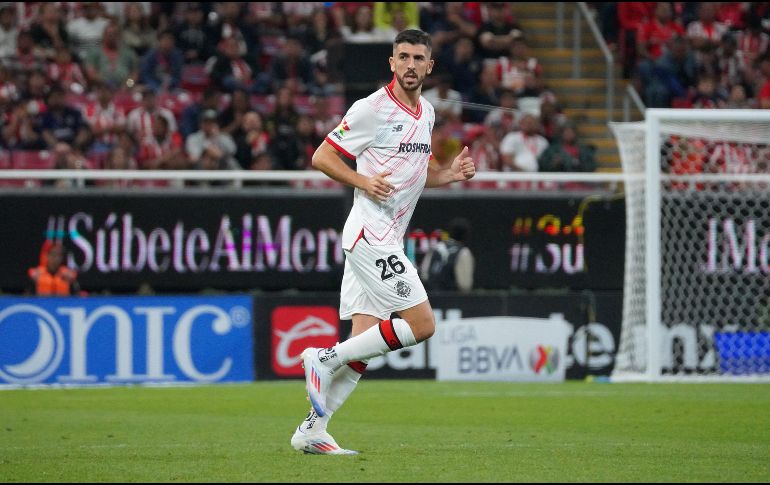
[462, 168]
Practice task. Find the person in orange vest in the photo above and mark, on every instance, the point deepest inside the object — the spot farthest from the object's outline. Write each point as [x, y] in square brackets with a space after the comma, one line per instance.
[52, 277]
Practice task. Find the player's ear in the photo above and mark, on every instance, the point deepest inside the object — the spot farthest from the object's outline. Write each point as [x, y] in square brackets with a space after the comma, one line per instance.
[392, 62]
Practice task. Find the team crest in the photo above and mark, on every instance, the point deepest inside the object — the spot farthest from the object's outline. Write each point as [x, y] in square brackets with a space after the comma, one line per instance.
[402, 289]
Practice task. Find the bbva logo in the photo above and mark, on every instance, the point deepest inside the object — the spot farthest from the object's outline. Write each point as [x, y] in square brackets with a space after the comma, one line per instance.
[33, 342]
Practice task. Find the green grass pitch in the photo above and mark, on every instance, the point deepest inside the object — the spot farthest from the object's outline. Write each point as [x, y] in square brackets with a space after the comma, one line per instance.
[421, 431]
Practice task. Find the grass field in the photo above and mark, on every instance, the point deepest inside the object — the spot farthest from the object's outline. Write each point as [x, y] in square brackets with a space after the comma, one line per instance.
[422, 431]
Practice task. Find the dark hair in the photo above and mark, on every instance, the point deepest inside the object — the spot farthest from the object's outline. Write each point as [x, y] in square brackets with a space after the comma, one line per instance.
[414, 37]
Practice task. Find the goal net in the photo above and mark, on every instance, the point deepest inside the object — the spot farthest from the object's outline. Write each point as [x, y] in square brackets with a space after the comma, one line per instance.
[697, 271]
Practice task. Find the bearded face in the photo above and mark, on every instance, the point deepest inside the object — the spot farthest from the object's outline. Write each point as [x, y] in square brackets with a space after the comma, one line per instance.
[411, 63]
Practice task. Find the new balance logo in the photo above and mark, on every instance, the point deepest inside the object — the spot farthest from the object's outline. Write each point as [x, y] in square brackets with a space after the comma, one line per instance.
[398, 128]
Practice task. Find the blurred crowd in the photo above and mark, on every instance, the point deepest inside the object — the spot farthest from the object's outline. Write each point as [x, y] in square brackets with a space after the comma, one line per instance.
[258, 85]
[693, 54]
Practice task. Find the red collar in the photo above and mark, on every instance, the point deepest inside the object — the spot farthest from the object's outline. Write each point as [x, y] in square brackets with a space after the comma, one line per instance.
[414, 114]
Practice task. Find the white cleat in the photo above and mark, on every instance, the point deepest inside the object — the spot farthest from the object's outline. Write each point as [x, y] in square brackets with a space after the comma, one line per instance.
[318, 378]
[318, 444]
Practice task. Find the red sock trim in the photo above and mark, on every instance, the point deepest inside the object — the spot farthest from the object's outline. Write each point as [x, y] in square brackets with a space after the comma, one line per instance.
[388, 333]
[357, 366]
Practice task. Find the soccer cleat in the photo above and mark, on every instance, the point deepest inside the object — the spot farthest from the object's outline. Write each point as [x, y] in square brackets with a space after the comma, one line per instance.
[317, 444]
[318, 378]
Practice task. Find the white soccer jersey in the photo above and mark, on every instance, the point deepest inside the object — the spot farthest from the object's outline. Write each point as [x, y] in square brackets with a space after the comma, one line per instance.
[382, 134]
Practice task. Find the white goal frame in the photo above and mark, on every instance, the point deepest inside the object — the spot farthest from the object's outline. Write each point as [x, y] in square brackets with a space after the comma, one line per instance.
[654, 118]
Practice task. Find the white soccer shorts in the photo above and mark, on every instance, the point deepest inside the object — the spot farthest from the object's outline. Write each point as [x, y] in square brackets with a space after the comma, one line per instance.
[378, 281]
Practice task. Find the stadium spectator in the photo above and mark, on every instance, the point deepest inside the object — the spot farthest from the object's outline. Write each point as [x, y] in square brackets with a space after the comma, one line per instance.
[737, 98]
[288, 149]
[136, 32]
[706, 31]
[486, 93]
[112, 62]
[189, 122]
[66, 72]
[62, 123]
[321, 34]
[362, 29]
[516, 66]
[119, 159]
[707, 95]
[653, 36]
[240, 104]
[565, 154]
[504, 119]
[231, 24]
[520, 150]
[444, 146]
[194, 39]
[251, 140]
[552, 119]
[25, 59]
[67, 157]
[762, 85]
[52, 277]
[229, 70]
[141, 120]
[325, 119]
[631, 18]
[36, 90]
[163, 150]
[21, 128]
[464, 65]
[209, 148]
[283, 120]
[497, 34]
[292, 67]
[8, 31]
[49, 32]
[452, 21]
[9, 90]
[445, 100]
[390, 18]
[86, 31]
[385, 12]
[730, 65]
[674, 74]
[753, 41]
[732, 14]
[105, 119]
[484, 147]
[161, 67]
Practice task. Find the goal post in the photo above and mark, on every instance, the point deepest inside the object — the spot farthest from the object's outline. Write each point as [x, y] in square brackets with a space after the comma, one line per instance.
[697, 268]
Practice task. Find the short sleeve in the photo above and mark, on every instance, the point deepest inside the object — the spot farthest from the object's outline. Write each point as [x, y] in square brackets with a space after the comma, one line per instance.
[356, 131]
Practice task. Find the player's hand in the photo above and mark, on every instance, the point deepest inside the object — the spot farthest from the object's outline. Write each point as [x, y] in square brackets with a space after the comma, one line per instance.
[463, 167]
[379, 188]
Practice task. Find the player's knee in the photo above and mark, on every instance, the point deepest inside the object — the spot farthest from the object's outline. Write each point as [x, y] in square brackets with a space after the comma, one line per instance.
[424, 329]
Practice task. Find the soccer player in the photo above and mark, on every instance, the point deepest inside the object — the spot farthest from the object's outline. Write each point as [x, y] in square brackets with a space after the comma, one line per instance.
[388, 134]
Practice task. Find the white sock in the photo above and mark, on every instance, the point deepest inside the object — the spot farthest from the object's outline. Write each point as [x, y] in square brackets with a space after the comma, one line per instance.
[345, 381]
[389, 335]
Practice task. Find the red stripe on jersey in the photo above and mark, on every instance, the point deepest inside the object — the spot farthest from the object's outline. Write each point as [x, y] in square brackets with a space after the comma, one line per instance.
[339, 148]
[389, 89]
[389, 335]
[357, 366]
[360, 236]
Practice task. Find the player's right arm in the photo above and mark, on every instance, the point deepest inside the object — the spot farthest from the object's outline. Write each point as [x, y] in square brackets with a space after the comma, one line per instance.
[329, 160]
